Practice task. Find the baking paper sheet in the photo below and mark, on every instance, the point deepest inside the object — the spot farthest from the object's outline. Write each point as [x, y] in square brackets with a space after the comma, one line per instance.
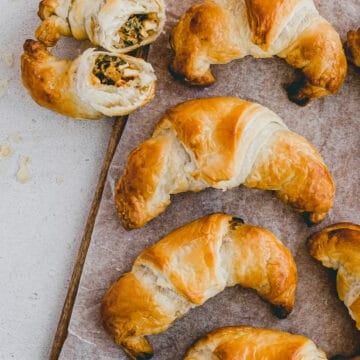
[331, 124]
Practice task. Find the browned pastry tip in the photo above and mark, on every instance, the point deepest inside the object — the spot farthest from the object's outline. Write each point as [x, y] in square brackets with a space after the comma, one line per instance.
[222, 142]
[249, 343]
[216, 32]
[187, 267]
[353, 47]
[338, 247]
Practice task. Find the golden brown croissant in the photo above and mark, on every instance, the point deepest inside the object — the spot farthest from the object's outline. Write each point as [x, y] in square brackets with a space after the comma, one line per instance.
[353, 47]
[189, 266]
[222, 142]
[117, 25]
[219, 31]
[249, 343]
[338, 247]
[94, 85]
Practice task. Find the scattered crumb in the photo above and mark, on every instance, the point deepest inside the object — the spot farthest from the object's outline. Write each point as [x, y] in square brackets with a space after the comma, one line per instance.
[5, 151]
[23, 174]
[15, 137]
[8, 59]
[3, 87]
[59, 180]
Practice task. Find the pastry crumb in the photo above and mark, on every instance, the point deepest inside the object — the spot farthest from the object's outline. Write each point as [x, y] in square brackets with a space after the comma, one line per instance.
[23, 174]
[15, 138]
[5, 151]
[8, 59]
[59, 180]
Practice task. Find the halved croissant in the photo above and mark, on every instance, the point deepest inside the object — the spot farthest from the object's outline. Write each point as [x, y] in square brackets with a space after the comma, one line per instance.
[338, 247]
[249, 343]
[222, 142]
[353, 47]
[219, 31]
[94, 85]
[117, 25]
[189, 266]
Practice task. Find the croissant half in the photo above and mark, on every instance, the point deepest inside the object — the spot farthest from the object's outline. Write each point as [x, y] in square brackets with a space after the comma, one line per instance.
[249, 343]
[189, 266]
[338, 247]
[353, 47]
[94, 85]
[222, 142]
[116, 25]
[219, 31]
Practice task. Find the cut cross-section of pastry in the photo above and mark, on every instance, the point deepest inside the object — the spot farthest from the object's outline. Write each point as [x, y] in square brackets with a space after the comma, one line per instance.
[249, 343]
[187, 267]
[222, 142]
[94, 85]
[116, 25]
[220, 31]
[338, 247]
[353, 47]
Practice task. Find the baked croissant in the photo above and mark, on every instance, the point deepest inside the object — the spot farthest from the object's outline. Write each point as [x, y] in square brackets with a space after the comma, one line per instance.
[353, 47]
[219, 31]
[222, 142]
[116, 25]
[94, 85]
[189, 266]
[338, 247]
[249, 343]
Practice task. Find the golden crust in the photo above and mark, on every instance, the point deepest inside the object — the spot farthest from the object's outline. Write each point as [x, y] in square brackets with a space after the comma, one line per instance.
[353, 47]
[338, 247]
[204, 138]
[208, 33]
[190, 265]
[249, 343]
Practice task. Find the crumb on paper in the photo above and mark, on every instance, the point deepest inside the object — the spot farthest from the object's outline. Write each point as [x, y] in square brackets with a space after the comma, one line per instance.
[8, 59]
[3, 86]
[5, 151]
[59, 180]
[16, 137]
[23, 174]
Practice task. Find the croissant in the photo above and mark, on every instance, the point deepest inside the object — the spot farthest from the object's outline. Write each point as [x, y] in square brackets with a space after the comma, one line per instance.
[189, 266]
[338, 247]
[117, 25]
[94, 85]
[222, 142]
[219, 31]
[249, 343]
[353, 47]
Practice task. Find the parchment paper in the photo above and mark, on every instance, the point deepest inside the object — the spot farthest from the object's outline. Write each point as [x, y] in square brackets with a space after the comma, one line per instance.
[331, 124]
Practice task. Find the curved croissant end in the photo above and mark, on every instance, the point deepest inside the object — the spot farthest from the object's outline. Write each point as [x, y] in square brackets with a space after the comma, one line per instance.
[94, 85]
[353, 47]
[338, 247]
[222, 142]
[119, 25]
[217, 32]
[244, 342]
[187, 267]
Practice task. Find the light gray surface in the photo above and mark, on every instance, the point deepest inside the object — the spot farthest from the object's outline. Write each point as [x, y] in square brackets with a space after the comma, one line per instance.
[41, 222]
[331, 124]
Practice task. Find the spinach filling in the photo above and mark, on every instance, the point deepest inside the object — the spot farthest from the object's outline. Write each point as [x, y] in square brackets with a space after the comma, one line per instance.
[137, 28]
[111, 70]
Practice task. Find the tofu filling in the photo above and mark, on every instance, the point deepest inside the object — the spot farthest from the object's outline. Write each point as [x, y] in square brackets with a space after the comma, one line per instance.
[112, 70]
[137, 28]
